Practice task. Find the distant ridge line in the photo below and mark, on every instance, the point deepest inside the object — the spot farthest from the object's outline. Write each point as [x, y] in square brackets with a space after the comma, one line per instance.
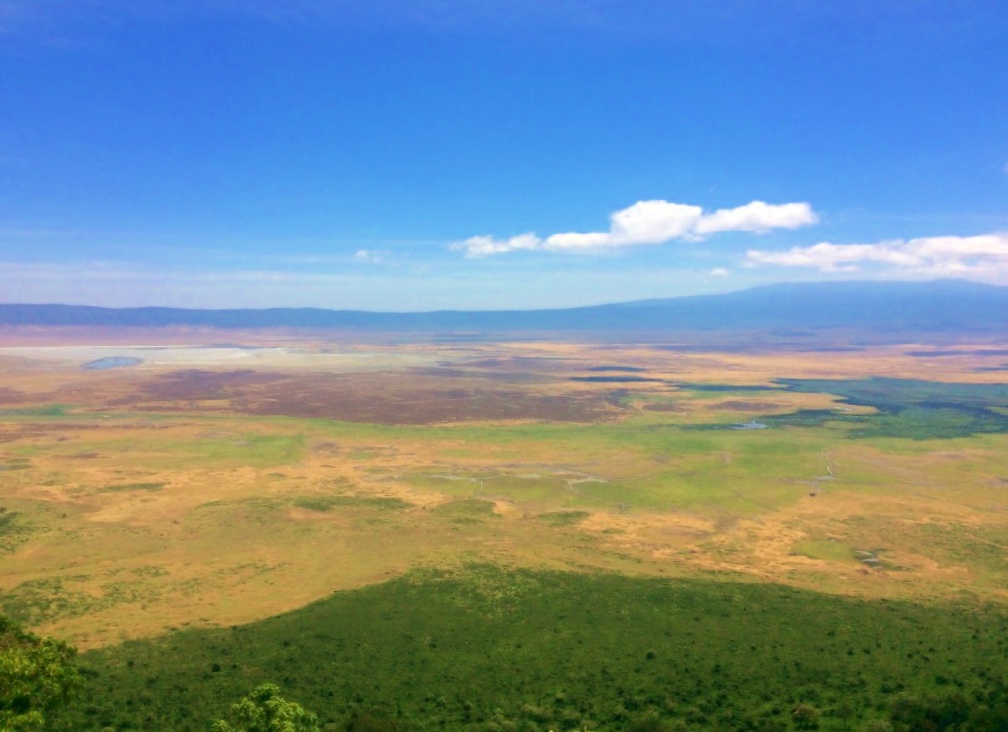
[934, 306]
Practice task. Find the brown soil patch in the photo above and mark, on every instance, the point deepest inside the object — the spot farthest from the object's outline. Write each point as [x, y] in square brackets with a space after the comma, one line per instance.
[200, 385]
[384, 398]
[12, 396]
[662, 407]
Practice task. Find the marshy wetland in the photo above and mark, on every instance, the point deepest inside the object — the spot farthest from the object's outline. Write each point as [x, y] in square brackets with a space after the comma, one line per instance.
[474, 505]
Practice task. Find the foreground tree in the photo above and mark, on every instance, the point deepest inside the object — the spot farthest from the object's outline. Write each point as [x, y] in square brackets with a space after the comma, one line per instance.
[36, 675]
[264, 710]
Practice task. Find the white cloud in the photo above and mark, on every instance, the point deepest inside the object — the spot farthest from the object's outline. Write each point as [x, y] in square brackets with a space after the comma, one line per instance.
[482, 246]
[991, 246]
[646, 222]
[758, 217]
[652, 222]
[369, 255]
[719, 272]
[830, 257]
[983, 255]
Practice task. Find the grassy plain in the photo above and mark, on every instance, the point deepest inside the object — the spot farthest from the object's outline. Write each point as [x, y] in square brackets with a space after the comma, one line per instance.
[213, 485]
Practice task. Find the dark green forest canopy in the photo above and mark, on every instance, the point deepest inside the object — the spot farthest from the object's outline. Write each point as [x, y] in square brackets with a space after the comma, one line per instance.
[495, 649]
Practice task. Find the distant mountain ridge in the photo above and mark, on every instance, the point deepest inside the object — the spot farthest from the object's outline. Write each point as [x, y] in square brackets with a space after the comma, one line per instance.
[943, 306]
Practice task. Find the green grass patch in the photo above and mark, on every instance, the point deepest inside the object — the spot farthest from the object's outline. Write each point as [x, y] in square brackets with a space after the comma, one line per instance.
[256, 450]
[450, 483]
[466, 508]
[328, 503]
[48, 410]
[825, 549]
[563, 518]
[18, 463]
[45, 600]
[14, 530]
[42, 600]
[974, 546]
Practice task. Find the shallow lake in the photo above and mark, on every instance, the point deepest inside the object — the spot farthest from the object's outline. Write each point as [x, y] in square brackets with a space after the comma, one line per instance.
[112, 362]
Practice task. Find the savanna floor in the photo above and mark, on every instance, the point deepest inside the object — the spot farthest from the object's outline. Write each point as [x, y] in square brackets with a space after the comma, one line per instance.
[223, 478]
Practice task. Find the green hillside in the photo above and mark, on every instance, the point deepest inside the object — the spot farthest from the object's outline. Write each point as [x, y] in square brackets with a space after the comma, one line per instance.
[495, 649]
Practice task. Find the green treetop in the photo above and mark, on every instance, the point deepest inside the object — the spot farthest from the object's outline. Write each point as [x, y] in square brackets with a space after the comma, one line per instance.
[264, 710]
[36, 675]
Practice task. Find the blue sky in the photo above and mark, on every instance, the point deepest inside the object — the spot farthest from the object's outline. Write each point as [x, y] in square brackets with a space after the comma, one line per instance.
[407, 155]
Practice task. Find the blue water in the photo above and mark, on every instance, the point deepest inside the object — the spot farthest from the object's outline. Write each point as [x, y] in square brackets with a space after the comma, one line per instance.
[752, 425]
[112, 362]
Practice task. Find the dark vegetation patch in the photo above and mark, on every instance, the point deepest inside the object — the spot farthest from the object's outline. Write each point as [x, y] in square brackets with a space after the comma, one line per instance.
[382, 398]
[662, 407]
[810, 418]
[471, 508]
[489, 649]
[887, 394]
[37, 675]
[48, 410]
[738, 405]
[630, 369]
[44, 600]
[328, 503]
[128, 487]
[14, 530]
[563, 518]
[36, 601]
[920, 410]
[908, 408]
